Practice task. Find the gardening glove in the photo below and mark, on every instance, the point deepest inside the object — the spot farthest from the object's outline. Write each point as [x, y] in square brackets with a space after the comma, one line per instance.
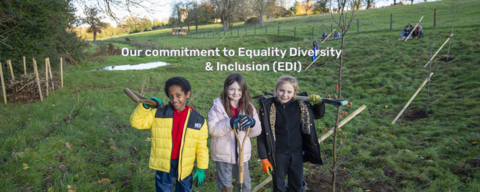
[201, 175]
[313, 98]
[157, 100]
[245, 122]
[266, 166]
[234, 122]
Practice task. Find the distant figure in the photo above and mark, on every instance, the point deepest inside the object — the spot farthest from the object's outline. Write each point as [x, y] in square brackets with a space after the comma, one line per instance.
[315, 48]
[336, 35]
[405, 32]
[418, 32]
[324, 36]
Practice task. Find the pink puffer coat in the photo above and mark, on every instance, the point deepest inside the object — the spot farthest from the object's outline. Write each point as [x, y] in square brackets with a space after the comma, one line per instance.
[223, 137]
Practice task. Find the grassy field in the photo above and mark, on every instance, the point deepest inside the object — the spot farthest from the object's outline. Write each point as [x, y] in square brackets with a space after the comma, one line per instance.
[438, 153]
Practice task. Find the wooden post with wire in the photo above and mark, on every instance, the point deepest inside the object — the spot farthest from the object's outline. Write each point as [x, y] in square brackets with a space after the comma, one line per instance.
[411, 99]
[11, 69]
[3, 85]
[37, 79]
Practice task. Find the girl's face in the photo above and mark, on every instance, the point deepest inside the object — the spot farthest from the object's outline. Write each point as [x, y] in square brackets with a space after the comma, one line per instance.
[285, 92]
[234, 92]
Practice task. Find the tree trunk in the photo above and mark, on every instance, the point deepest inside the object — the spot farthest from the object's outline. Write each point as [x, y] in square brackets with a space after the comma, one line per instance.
[94, 36]
[196, 26]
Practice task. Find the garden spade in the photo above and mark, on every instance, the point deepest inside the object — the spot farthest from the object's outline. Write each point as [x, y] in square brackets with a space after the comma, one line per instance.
[240, 157]
[336, 102]
[140, 99]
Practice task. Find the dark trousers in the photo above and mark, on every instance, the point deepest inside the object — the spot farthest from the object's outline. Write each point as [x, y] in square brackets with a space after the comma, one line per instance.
[290, 164]
[165, 182]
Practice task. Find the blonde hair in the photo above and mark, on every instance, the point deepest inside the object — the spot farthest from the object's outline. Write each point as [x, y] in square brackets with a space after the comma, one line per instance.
[287, 79]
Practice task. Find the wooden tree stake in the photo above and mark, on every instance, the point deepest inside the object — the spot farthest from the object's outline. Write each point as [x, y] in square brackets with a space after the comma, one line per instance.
[38, 80]
[439, 50]
[328, 36]
[46, 75]
[411, 99]
[3, 85]
[11, 69]
[51, 76]
[413, 29]
[24, 66]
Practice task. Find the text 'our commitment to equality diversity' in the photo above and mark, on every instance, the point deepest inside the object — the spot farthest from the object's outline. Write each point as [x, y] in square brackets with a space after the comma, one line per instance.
[242, 52]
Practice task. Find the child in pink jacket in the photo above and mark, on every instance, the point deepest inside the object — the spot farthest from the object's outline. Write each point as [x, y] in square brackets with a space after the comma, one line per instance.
[232, 108]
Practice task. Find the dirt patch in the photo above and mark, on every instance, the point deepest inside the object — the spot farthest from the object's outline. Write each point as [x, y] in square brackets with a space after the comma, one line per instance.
[320, 182]
[446, 60]
[415, 114]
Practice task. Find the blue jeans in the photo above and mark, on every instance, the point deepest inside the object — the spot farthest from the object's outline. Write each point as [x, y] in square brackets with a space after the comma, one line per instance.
[164, 182]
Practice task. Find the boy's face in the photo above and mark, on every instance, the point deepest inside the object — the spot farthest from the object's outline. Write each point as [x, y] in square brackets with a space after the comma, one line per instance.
[177, 97]
[285, 92]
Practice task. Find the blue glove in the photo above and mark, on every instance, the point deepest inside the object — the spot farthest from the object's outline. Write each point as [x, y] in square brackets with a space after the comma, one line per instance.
[201, 175]
[157, 100]
[245, 122]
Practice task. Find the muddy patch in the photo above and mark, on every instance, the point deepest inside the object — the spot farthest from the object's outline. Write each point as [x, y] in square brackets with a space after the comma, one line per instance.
[416, 114]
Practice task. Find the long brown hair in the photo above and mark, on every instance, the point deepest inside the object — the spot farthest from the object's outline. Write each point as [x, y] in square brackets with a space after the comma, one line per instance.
[246, 100]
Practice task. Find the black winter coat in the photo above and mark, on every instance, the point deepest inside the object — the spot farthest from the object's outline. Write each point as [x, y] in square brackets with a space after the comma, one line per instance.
[266, 140]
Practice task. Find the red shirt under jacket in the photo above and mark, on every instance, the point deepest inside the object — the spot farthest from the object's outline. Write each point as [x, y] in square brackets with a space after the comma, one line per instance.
[179, 119]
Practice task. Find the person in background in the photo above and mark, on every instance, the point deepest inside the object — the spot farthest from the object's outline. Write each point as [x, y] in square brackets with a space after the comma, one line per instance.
[405, 32]
[336, 35]
[324, 36]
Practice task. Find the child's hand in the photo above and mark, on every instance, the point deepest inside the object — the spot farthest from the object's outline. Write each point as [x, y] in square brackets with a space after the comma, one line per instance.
[266, 166]
[313, 98]
[245, 122]
[157, 100]
[201, 175]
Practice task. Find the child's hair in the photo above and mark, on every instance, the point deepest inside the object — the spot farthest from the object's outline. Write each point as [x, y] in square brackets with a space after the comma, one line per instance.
[287, 79]
[246, 107]
[179, 81]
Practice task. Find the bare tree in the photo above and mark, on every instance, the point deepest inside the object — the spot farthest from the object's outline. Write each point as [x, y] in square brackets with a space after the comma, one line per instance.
[226, 9]
[110, 7]
[344, 22]
[92, 19]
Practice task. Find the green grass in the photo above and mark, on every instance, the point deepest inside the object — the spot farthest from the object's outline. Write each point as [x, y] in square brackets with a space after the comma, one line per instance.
[378, 71]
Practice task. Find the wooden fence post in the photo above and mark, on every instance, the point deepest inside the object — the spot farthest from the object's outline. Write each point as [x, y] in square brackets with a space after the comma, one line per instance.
[51, 76]
[37, 79]
[434, 17]
[391, 20]
[46, 76]
[24, 66]
[11, 69]
[358, 26]
[3, 85]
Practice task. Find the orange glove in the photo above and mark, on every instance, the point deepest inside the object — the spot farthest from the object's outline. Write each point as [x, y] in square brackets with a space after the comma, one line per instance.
[267, 167]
